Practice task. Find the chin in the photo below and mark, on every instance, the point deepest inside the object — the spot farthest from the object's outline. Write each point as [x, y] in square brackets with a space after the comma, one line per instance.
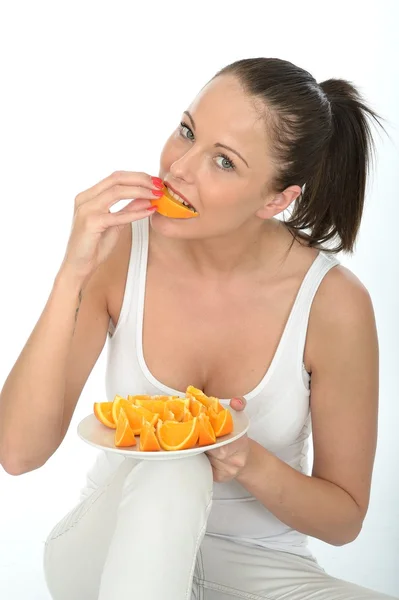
[176, 228]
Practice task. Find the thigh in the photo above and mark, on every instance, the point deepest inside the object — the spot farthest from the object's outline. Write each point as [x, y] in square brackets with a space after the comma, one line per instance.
[76, 548]
[227, 570]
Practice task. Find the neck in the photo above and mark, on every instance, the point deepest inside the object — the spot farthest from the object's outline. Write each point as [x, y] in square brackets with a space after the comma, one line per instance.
[243, 250]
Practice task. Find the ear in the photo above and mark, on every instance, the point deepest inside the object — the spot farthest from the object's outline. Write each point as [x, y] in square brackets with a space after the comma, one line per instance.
[278, 203]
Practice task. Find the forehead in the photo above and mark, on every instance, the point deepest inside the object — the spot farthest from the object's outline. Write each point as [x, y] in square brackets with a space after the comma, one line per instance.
[224, 112]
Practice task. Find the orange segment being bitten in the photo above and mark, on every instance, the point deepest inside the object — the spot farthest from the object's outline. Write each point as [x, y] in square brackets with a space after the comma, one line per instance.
[169, 207]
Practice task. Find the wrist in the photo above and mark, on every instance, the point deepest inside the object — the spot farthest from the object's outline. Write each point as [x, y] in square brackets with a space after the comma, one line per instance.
[250, 471]
[69, 280]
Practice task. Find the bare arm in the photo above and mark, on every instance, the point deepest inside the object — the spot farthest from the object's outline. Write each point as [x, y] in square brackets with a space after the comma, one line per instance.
[42, 389]
[343, 356]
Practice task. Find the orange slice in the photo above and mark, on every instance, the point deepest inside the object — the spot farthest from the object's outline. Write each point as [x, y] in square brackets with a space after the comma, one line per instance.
[206, 433]
[124, 435]
[196, 407]
[169, 207]
[133, 399]
[103, 412]
[153, 405]
[177, 406]
[148, 439]
[178, 436]
[167, 415]
[187, 415]
[208, 401]
[135, 414]
[221, 422]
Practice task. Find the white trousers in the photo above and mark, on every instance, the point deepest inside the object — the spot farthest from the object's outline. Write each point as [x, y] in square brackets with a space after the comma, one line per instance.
[140, 534]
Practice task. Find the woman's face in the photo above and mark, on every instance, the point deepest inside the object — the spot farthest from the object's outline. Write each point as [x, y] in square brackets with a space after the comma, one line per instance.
[218, 159]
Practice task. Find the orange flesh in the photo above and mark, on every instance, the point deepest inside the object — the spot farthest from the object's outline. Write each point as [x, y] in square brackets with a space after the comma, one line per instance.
[206, 433]
[169, 207]
[148, 439]
[103, 412]
[178, 436]
[180, 423]
[124, 435]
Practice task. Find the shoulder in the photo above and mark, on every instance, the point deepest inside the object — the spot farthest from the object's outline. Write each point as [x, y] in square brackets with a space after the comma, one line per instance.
[342, 315]
[341, 297]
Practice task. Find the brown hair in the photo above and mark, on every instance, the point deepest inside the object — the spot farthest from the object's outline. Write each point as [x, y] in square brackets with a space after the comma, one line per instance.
[322, 142]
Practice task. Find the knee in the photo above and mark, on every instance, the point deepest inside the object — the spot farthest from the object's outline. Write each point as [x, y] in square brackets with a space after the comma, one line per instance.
[192, 474]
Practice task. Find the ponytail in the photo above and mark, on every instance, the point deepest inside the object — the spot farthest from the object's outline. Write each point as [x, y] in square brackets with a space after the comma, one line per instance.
[332, 202]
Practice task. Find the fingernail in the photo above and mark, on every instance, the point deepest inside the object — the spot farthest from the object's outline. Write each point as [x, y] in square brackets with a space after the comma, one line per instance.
[152, 208]
[157, 193]
[157, 182]
[239, 401]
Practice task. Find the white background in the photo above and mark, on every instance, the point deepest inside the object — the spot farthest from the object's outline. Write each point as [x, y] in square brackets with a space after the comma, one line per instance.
[88, 88]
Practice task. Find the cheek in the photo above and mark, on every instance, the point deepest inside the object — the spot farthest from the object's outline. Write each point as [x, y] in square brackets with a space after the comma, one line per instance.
[229, 197]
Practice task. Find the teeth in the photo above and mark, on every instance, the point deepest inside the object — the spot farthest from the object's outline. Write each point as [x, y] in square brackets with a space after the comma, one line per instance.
[177, 197]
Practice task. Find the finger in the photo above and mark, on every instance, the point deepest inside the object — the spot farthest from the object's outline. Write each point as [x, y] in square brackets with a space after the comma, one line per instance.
[122, 192]
[238, 403]
[124, 217]
[221, 453]
[135, 205]
[128, 178]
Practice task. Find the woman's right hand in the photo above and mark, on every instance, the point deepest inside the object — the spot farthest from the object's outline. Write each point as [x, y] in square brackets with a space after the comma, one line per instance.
[95, 230]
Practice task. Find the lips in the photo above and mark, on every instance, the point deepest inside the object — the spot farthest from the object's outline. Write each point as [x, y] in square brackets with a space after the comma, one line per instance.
[179, 195]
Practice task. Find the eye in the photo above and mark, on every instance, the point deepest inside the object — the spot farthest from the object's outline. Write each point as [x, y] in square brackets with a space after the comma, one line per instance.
[230, 166]
[186, 132]
[226, 164]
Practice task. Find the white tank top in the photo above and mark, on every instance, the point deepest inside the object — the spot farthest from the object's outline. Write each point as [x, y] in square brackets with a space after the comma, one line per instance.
[278, 406]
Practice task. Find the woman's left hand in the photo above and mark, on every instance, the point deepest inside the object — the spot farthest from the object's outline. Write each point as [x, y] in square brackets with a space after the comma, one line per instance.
[228, 461]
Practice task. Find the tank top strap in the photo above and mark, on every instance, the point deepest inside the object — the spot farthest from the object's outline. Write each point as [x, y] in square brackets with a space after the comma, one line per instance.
[135, 278]
[297, 326]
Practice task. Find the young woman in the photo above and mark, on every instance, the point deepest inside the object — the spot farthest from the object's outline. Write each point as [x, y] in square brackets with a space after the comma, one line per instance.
[248, 307]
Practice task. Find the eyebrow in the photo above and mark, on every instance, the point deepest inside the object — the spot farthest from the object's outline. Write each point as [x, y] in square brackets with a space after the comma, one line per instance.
[217, 145]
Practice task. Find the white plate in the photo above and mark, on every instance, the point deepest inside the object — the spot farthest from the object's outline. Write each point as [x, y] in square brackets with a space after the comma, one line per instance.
[91, 431]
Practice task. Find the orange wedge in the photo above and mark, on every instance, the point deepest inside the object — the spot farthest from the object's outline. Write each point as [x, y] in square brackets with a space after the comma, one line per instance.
[221, 422]
[177, 406]
[208, 401]
[153, 405]
[187, 415]
[148, 439]
[167, 415]
[103, 412]
[116, 405]
[124, 435]
[196, 407]
[135, 414]
[178, 436]
[133, 399]
[169, 207]
[206, 433]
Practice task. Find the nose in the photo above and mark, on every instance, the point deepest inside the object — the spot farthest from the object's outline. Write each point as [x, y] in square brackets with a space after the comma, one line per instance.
[185, 166]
